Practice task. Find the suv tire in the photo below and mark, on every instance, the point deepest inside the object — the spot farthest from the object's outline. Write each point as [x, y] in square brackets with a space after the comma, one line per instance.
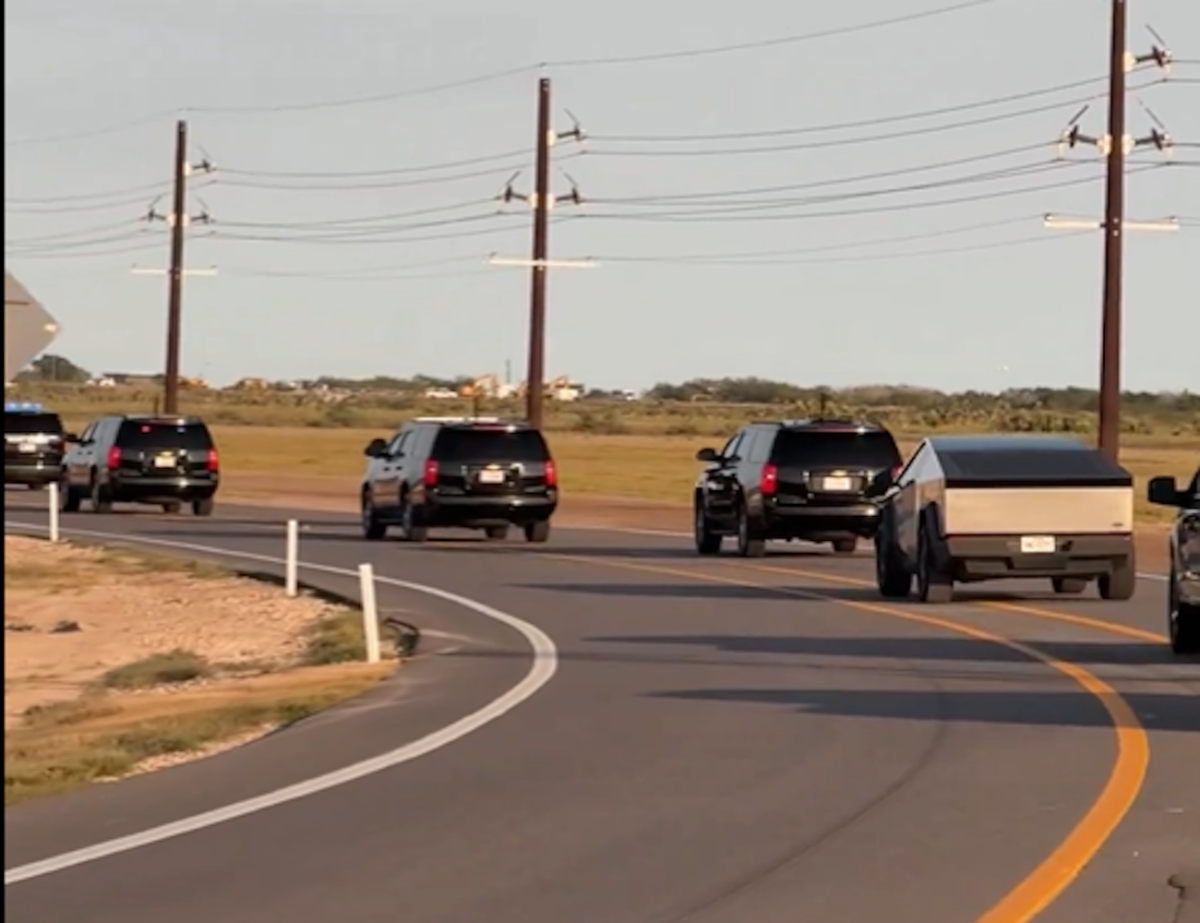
[750, 544]
[203, 507]
[845, 545]
[68, 498]
[101, 498]
[707, 541]
[373, 530]
[538, 532]
[1184, 623]
[413, 530]
[496, 533]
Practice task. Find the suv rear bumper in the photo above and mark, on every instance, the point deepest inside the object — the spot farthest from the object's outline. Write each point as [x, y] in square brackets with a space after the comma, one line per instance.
[497, 510]
[149, 489]
[33, 471]
[804, 521]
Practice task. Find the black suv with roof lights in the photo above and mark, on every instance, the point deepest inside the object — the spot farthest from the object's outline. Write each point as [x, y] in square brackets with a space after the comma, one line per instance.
[1183, 588]
[165, 461]
[465, 472]
[34, 443]
[796, 480]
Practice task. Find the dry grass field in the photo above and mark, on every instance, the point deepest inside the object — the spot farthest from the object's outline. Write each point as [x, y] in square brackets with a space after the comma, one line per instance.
[117, 662]
[655, 468]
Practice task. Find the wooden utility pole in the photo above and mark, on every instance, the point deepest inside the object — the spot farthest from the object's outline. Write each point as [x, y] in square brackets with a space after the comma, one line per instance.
[178, 221]
[535, 388]
[1114, 236]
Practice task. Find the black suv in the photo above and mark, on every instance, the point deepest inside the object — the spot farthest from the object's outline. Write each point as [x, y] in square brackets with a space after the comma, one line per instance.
[475, 473]
[34, 443]
[803, 479]
[165, 461]
[1183, 606]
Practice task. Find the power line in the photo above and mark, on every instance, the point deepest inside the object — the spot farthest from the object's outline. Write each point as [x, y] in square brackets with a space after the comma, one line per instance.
[359, 220]
[68, 235]
[819, 184]
[861, 123]
[397, 184]
[89, 196]
[692, 217]
[421, 238]
[393, 171]
[497, 75]
[840, 142]
[758, 208]
[776, 42]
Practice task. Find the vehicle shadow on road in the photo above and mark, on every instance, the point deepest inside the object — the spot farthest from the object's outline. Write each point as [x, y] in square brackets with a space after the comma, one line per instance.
[1158, 712]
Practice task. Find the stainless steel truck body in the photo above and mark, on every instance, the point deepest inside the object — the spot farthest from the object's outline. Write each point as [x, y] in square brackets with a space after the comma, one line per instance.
[972, 508]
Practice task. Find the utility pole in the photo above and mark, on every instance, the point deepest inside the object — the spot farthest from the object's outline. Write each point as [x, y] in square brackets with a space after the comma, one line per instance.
[542, 201]
[535, 391]
[175, 273]
[178, 221]
[1117, 145]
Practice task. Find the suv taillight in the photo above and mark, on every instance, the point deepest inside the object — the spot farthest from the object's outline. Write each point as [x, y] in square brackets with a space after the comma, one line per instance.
[114, 458]
[214, 461]
[551, 474]
[431, 474]
[770, 480]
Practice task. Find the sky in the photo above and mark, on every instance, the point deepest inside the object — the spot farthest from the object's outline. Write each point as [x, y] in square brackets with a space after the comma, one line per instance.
[359, 148]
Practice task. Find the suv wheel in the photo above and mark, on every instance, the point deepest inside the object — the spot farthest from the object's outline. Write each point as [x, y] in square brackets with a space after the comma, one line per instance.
[101, 498]
[845, 545]
[750, 545]
[496, 533]
[203, 507]
[373, 530]
[68, 497]
[538, 532]
[707, 541]
[1184, 624]
[413, 531]
[170, 508]
[932, 585]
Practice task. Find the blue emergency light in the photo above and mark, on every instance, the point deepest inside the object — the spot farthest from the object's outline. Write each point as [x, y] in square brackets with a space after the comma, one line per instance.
[22, 407]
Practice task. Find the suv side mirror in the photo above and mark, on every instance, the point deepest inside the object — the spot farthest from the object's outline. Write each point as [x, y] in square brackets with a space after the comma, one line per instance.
[376, 448]
[71, 437]
[708, 456]
[1162, 491]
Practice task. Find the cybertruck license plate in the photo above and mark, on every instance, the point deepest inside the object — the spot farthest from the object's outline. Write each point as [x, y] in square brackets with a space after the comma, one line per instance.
[836, 483]
[1038, 544]
[491, 476]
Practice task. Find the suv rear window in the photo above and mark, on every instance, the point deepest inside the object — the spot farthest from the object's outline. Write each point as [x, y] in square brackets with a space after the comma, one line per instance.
[822, 449]
[31, 424]
[153, 434]
[487, 445]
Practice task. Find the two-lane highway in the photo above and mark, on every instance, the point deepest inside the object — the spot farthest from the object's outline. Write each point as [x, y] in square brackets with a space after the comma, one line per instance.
[723, 740]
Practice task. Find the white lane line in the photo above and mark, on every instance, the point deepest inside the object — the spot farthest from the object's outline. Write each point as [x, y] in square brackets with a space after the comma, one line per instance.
[545, 664]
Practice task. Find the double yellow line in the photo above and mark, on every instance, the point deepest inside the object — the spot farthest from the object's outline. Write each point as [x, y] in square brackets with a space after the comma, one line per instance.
[1057, 871]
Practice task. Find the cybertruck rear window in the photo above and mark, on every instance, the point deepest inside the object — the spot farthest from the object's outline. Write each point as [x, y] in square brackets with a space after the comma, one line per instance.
[490, 445]
[138, 435]
[32, 424]
[834, 449]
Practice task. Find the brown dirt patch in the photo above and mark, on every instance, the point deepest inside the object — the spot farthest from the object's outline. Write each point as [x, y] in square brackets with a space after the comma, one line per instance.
[73, 612]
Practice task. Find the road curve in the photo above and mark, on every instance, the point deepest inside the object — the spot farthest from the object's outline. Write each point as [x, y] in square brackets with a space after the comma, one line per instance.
[723, 741]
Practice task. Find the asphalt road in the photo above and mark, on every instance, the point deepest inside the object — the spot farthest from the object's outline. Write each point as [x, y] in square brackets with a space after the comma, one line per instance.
[723, 741]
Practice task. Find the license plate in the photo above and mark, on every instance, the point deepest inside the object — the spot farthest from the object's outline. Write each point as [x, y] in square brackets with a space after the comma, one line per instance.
[28, 447]
[491, 476]
[1038, 544]
[836, 483]
[165, 461]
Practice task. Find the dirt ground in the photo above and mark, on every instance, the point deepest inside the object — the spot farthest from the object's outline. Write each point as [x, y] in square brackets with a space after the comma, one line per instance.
[72, 613]
[335, 494]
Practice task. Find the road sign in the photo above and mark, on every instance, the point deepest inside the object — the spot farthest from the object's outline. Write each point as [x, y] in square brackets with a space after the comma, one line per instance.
[28, 327]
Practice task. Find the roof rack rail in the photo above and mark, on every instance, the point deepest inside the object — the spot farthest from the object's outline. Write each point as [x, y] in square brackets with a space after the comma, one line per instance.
[458, 420]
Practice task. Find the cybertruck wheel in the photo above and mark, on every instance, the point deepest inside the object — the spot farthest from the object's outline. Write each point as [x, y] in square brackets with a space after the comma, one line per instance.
[892, 580]
[1069, 586]
[933, 586]
[1121, 583]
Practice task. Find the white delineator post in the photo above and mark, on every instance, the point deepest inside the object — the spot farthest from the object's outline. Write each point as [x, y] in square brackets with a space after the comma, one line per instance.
[370, 614]
[292, 558]
[52, 499]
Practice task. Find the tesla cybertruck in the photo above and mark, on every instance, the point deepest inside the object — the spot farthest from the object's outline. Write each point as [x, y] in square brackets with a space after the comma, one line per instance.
[967, 509]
